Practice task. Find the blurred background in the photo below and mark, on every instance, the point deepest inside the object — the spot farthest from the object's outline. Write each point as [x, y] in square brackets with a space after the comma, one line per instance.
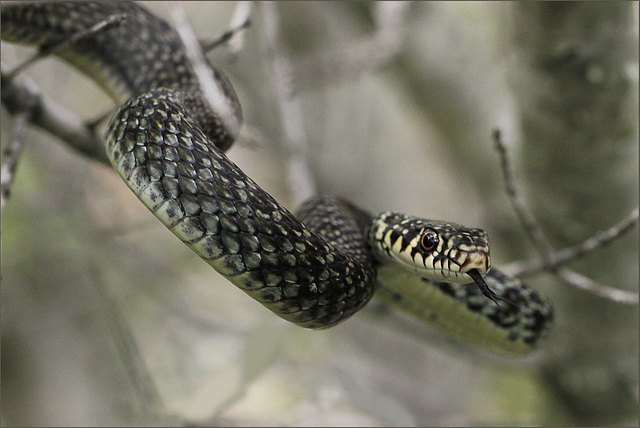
[85, 267]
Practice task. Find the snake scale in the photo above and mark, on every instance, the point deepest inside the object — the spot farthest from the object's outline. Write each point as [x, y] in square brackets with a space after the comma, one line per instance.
[315, 268]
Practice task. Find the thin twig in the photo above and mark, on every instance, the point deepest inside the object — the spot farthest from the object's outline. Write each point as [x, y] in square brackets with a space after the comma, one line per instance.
[209, 45]
[555, 264]
[562, 257]
[234, 36]
[518, 203]
[213, 93]
[241, 15]
[300, 181]
[581, 281]
[107, 23]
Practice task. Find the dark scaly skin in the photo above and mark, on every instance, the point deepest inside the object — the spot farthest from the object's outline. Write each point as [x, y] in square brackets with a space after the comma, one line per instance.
[162, 142]
[228, 220]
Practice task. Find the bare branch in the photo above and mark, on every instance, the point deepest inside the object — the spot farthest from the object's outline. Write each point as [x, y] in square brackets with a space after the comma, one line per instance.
[518, 203]
[45, 113]
[234, 35]
[301, 183]
[562, 257]
[52, 117]
[44, 51]
[554, 262]
[600, 239]
[240, 18]
[213, 93]
[581, 281]
[209, 45]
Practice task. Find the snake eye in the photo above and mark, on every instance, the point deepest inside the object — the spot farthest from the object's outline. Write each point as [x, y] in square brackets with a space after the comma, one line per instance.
[429, 240]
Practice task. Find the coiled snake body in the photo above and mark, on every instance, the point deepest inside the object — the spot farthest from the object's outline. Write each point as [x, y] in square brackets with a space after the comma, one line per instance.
[314, 269]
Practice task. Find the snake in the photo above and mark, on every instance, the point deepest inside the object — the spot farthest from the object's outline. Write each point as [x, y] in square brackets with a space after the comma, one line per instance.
[315, 268]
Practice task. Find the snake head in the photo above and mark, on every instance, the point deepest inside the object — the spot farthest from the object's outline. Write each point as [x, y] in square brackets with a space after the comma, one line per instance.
[435, 250]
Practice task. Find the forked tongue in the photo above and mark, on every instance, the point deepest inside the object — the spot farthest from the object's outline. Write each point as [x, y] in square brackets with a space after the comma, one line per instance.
[477, 278]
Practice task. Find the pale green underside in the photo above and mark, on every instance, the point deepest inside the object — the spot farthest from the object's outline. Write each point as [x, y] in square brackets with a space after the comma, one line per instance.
[442, 311]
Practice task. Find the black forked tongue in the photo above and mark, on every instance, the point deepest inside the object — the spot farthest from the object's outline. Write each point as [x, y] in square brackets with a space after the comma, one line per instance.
[477, 278]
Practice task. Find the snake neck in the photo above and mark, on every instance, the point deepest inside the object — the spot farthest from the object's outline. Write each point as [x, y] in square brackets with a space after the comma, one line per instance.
[463, 311]
[339, 223]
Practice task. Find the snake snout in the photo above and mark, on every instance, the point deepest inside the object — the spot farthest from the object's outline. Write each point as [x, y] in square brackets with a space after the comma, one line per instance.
[479, 260]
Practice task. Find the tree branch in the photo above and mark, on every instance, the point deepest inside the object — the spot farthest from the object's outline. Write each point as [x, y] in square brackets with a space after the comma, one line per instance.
[234, 36]
[518, 203]
[562, 257]
[213, 93]
[610, 293]
[45, 113]
[52, 117]
[55, 119]
[554, 261]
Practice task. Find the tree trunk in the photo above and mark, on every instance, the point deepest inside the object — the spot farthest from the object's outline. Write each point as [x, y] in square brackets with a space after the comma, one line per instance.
[576, 84]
